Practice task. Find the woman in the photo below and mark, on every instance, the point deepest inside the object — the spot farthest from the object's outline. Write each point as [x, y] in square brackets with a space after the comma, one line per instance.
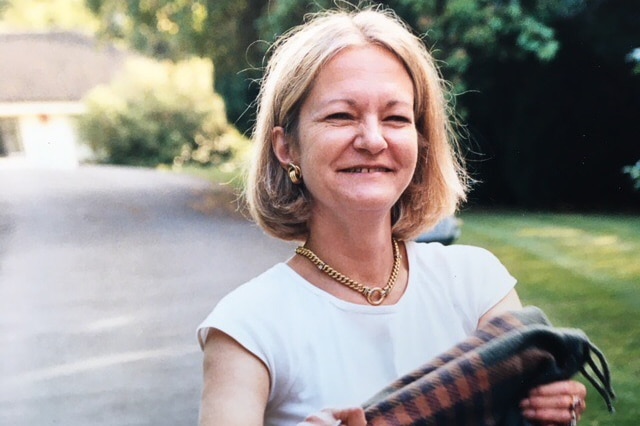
[354, 158]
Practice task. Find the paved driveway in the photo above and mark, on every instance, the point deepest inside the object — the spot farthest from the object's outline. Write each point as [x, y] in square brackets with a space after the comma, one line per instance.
[104, 274]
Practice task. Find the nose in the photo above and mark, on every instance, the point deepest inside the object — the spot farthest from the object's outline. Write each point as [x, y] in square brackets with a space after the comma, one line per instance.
[370, 137]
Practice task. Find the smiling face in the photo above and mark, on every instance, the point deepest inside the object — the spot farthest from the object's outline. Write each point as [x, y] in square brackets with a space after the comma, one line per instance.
[357, 141]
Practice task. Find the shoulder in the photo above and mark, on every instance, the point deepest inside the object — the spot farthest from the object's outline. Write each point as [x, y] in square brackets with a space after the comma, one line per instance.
[255, 293]
[462, 257]
[473, 278]
[247, 311]
[276, 318]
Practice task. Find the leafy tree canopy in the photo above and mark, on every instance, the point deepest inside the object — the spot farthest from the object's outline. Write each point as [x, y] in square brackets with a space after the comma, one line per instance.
[4, 4]
[460, 31]
[46, 14]
[160, 113]
[221, 30]
[549, 93]
[227, 32]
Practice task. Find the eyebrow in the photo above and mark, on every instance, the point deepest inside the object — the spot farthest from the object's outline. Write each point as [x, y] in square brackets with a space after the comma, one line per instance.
[352, 102]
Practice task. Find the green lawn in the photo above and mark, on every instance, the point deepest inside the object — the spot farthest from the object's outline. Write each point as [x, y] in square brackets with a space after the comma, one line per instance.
[227, 174]
[584, 272]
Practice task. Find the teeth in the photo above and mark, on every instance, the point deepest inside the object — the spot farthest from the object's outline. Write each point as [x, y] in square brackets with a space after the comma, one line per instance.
[366, 170]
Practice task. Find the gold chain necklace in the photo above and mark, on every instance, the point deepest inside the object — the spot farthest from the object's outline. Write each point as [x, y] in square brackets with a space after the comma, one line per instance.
[374, 295]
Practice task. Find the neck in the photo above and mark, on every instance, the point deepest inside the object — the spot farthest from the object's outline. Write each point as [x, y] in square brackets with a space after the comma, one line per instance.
[374, 295]
[361, 240]
[361, 250]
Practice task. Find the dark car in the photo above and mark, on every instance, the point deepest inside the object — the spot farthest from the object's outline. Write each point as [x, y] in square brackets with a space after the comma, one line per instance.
[446, 232]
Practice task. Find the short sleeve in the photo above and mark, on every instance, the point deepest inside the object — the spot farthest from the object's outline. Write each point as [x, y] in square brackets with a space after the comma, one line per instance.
[238, 316]
[472, 278]
[247, 315]
[479, 281]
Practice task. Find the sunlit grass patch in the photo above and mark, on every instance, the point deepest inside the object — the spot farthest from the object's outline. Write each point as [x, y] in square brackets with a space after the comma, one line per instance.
[225, 174]
[584, 271]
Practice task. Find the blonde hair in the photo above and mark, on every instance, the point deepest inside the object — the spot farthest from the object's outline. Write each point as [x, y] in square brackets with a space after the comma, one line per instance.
[438, 185]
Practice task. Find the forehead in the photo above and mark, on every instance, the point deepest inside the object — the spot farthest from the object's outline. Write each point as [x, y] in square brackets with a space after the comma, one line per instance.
[370, 69]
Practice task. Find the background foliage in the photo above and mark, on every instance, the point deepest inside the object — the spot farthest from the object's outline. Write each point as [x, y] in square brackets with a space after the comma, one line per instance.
[46, 15]
[549, 88]
[634, 173]
[550, 101]
[160, 113]
[221, 30]
[236, 34]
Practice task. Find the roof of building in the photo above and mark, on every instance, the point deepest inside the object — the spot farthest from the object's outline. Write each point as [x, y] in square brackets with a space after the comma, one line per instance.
[54, 66]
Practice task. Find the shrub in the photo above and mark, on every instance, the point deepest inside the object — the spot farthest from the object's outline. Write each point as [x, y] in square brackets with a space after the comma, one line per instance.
[159, 113]
[634, 173]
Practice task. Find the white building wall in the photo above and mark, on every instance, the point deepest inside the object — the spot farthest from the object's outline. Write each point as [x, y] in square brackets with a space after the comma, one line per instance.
[48, 133]
[49, 141]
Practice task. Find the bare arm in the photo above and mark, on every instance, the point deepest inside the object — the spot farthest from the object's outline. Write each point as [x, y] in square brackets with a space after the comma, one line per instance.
[511, 302]
[236, 384]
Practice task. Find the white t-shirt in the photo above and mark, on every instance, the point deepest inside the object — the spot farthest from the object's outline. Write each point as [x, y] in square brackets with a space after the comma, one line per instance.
[323, 352]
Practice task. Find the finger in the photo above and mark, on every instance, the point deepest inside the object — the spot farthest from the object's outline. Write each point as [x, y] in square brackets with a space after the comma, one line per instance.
[565, 402]
[351, 416]
[347, 416]
[545, 414]
[578, 405]
[549, 415]
[569, 387]
[555, 401]
[321, 418]
[582, 407]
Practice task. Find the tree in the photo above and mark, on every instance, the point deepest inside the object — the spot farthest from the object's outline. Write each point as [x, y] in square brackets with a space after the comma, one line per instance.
[634, 58]
[4, 4]
[634, 170]
[461, 31]
[634, 173]
[543, 84]
[556, 134]
[160, 113]
[222, 30]
[227, 31]
[547, 99]
[46, 15]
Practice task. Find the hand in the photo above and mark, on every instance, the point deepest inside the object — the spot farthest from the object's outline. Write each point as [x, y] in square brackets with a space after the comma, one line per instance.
[347, 417]
[558, 403]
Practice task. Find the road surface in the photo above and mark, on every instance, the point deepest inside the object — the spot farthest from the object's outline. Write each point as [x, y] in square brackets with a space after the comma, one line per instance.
[105, 272]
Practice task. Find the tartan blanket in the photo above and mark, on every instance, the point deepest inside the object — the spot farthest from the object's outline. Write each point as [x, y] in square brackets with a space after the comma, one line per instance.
[481, 380]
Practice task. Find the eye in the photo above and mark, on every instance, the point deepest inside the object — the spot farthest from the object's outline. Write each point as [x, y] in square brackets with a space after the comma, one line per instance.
[399, 119]
[340, 116]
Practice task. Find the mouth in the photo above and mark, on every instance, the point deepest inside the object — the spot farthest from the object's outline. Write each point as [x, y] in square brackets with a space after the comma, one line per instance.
[366, 170]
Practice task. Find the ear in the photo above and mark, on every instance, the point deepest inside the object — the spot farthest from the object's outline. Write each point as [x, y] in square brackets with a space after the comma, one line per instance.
[281, 148]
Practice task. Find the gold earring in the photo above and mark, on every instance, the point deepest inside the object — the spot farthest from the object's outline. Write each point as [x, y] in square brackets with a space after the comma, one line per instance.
[295, 174]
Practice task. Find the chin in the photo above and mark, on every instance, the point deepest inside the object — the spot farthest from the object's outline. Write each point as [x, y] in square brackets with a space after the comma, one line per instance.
[374, 203]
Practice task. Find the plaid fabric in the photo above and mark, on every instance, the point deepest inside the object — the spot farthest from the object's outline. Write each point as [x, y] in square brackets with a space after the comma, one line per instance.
[482, 380]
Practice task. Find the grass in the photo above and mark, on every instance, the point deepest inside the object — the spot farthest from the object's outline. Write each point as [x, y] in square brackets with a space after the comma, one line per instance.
[584, 272]
[226, 175]
[224, 195]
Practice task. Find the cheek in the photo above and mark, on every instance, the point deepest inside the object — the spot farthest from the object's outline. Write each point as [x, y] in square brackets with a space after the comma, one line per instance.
[322, 146]
[410, 158]
[410, 149]
[415, 149]
[309, 149]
